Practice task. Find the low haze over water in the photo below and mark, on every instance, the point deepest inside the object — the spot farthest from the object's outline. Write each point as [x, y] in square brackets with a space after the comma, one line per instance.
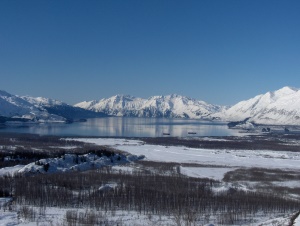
[128, 127]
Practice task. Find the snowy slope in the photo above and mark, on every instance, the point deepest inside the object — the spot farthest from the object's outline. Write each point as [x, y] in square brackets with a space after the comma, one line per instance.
[171, 106]
[15, 106]
[281, 107]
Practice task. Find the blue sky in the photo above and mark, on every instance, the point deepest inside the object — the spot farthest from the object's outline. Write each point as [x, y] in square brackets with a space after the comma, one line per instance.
[218, 51]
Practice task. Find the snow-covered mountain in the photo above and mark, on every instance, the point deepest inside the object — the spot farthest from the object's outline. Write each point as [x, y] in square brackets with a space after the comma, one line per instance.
[171, 106]
[281, 107]
[39, 109]
[15, 107]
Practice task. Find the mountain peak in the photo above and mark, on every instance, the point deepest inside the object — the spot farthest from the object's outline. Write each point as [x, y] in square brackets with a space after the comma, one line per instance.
[170, 96]
[174, 95]
[287, 90]
[123, 96]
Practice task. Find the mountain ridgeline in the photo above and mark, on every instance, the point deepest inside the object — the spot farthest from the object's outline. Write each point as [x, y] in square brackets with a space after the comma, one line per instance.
[171, 106]
[281, 107]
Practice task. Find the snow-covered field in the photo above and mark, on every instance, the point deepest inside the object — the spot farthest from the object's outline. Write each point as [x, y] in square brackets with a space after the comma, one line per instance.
[213, 164]
[224, 158]
[216, 173]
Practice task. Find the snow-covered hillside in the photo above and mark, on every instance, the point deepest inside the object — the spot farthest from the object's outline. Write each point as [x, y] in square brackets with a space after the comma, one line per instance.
[13, 106]
[281, 107]
[171, 106]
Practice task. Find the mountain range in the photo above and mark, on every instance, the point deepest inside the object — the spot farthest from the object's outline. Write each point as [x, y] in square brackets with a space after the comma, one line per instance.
[280, 107]
[171, 106]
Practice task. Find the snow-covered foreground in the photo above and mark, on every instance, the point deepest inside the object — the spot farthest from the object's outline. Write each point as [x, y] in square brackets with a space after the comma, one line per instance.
[193, 163]
[56, 216]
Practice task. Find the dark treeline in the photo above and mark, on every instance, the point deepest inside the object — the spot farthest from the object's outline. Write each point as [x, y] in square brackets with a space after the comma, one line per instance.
[171, 195]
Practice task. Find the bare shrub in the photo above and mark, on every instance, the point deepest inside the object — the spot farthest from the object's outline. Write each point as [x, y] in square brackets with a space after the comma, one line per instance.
[89, 217]
[27, 213]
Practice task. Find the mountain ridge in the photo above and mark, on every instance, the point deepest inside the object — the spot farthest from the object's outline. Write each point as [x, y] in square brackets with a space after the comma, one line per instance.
[170, 106]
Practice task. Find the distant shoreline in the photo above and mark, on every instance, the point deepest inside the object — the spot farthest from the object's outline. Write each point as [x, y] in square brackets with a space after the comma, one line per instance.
[273, 142]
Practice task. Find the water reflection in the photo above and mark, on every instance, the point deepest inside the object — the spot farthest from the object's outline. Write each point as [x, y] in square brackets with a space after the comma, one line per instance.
[129, 127]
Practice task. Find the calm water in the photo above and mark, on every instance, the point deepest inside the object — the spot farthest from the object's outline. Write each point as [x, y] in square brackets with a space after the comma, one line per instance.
[128, 127]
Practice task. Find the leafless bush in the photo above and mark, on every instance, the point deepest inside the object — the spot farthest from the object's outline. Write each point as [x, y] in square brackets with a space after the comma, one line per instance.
[90, 217]
[27, 213]
[71, 217]
[158, 167]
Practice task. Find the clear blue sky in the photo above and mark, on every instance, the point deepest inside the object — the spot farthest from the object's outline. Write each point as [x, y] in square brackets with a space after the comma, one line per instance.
[218, 51]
